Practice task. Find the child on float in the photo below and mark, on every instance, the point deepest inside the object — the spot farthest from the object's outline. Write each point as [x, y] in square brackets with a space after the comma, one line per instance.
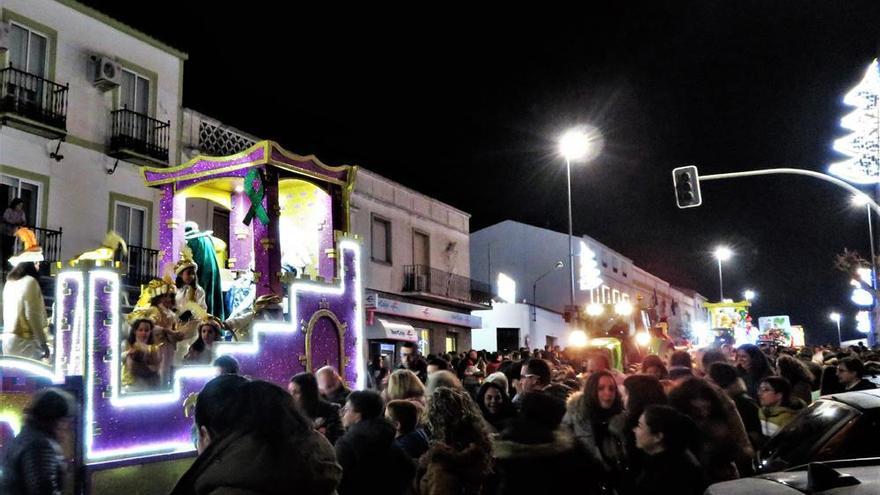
[188, 288]
[158, 296]
[202, 350]
[140, 356]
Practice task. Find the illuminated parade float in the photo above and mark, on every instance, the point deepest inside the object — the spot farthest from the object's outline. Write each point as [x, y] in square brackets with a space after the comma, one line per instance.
[289, 224]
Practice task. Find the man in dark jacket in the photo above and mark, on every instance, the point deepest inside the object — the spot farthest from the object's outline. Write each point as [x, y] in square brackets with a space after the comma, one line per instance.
[34, 462]
[371, 461]
[851, 372]
[331, 386]
[725, 376]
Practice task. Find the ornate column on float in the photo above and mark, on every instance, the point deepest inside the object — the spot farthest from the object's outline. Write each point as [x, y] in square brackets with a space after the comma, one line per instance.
[172, 212]
[267, 246]
[240, 235]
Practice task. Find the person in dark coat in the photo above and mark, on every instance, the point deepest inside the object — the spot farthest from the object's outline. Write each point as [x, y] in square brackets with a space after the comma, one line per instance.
[534, 443]
[34, 462]
[753, 367]
[725, 376]
[253, 439]
[495, 405]
[798, 375]
[331, 386]
[663, 434]
[371, 461]
[410, 436]
[851, 372]
[324, 415]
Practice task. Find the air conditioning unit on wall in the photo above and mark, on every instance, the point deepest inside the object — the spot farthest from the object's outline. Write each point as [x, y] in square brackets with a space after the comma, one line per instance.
[5, 36]
[106, 73]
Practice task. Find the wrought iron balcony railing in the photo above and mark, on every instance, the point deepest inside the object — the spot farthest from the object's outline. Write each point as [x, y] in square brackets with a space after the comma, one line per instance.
[34, 98]
[427, 280]
[139, 136]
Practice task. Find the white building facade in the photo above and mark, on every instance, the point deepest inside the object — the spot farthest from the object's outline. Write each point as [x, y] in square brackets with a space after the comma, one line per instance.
[85, 100]
[529, 255]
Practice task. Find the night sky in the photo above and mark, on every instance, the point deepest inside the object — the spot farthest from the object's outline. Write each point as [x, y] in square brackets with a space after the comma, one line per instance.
[466, 106]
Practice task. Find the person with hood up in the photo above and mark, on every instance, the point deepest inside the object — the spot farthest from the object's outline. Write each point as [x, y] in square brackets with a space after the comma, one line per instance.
[460, 457]
[371, 461]
[253, 439]
[534, 443]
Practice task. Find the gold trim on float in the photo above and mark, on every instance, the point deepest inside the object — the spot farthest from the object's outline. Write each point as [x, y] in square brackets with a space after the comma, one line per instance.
[340, 329]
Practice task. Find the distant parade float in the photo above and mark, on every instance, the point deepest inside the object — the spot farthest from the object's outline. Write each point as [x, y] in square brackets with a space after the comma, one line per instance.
[300, 308]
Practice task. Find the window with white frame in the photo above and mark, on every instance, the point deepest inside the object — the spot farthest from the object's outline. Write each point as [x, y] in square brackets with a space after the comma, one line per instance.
[130, 222]
[381, 240]
[606, 294]
[594, 295]
[615, 296]
[134, 92]
[30, 192]
[28, 50]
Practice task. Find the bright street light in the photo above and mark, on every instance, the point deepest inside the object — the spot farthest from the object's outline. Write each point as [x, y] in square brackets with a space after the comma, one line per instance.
[643, 339]
[722, 253]
[578, 144]
[835, 317]
[860, 200]
[623, 308]
[749, 295]
[595, 309]
[577, 338]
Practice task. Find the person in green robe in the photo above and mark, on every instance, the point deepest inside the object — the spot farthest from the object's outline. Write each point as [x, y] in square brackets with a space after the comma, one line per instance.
[209, 270]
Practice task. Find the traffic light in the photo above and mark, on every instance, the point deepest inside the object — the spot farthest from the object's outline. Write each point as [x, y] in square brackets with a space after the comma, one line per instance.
[687, 187]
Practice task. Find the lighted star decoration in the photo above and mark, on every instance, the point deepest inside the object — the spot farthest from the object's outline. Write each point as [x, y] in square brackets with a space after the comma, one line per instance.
[862, 145]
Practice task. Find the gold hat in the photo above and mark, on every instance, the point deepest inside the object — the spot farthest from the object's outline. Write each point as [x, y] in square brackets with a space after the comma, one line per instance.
[156, 287]
[267, 300]
[186, 261]
[149, 313]
[31, 250]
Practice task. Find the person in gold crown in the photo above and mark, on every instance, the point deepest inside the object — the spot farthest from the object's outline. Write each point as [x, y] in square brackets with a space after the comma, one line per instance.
[188, 288]
[141, 356]
[266, 308]
[24, 312]
[202, 350]
[157, 297]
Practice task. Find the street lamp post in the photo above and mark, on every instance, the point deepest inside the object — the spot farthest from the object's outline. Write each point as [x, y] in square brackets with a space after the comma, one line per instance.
[557, 266]
[575, 144]
[749, 295]
[835, 317]
[722, 253]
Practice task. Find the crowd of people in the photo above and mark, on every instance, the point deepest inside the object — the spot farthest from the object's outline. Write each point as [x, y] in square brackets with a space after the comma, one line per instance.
[488, 423]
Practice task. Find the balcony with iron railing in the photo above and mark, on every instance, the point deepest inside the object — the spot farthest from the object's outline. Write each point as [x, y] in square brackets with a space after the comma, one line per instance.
[33, 103]
[139, 138]
[140, 265]
[439, 285]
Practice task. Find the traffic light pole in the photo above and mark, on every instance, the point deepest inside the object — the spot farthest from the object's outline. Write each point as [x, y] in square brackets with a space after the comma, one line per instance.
[871, 203]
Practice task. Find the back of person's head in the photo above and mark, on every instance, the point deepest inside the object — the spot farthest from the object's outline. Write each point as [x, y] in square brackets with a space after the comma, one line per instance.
[683, 396]
[47, 407]
[455, 420]
[404, 412]
[854, 364]
[641, 392]
[680, 372]
[266, 411]
[22, 270]
[723, 374]
[214, 402]
[404, 384]
[442, 379]
[330, 372]
[681, 358]
[676, 428]
[542, 410]
[539, 368]
[793, 369]
[711, 357]
[440, 364]
[653, 361]
[367, 403]
[228, 365]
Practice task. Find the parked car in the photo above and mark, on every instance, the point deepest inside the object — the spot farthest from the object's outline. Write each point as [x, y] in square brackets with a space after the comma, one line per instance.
[849, 477]
[837, 426]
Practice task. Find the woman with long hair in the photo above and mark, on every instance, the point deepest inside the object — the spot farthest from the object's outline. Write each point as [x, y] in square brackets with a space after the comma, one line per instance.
[663, 435]
[495, 405]
[303, 387]
[460, 457]
[723, 449]
[252, 438]
[140, 358]
[201, 351]
[753, 366]
[798, 375]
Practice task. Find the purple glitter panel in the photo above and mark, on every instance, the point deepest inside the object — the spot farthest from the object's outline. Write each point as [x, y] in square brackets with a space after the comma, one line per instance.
[241, 250]
[203, 166]
[183, 184]
[325, 344]
[310, 166]
[66, 319]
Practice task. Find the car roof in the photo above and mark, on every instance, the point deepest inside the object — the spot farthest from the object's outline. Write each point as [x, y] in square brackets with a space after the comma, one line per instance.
[794, 481]
[863, 399]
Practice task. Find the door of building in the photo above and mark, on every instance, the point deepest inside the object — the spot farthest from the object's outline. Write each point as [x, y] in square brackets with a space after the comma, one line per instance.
[507, 339]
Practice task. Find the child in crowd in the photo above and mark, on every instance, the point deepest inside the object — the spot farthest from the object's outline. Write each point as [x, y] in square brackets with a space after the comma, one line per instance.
[404, 415]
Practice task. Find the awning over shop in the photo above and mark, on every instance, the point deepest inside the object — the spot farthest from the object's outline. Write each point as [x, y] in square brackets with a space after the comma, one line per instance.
[391, 329]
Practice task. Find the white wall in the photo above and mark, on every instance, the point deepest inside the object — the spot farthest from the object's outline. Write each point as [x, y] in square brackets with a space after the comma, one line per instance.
[504, 315]
[407, 211]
